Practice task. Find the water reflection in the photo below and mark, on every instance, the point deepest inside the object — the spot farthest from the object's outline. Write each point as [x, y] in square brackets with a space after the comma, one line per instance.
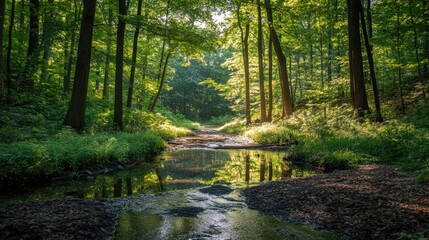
[182, 169]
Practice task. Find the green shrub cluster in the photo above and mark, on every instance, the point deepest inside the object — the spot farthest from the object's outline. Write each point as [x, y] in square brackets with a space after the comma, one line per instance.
[340, 142]
[34, 143]
[72, 152]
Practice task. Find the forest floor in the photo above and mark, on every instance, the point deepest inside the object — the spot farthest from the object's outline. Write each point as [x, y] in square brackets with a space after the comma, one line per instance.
[371, 202]
[211, 138]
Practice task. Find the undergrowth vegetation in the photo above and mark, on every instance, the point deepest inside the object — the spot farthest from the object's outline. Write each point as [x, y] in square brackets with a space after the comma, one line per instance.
[34, 143]
[339, 142]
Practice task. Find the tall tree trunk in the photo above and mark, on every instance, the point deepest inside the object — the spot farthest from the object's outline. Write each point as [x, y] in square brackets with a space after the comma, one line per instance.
[368, 47]
[9, 49]
[2, 73]
[286, 97]
[244, 36]
[21, 23]
[27, 80]
[67, 77]
[357, 84]
[416, 48]
[134, 57]
[118, 111]
[270, 79]
[161, 82]
[426, 41]
[76, 113]
[398, 55]
[261, 65]
[47, 39]
[108, 53]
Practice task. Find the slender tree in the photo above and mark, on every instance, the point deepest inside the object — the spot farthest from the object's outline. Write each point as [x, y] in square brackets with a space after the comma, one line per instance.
[245, 53]
[67, 77]
[75, 116]
[9, 49]
[47, 38]
[108, 56]
[284, 79]
[27, 79]
[426, 40]
[134, 57]
[368, 47]
[261, 65]
[357, 84]
[2, 74]
[118, 112]
[270, 79]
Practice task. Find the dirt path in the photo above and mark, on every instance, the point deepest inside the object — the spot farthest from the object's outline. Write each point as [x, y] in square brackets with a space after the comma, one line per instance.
[371, 202]
[212, 138]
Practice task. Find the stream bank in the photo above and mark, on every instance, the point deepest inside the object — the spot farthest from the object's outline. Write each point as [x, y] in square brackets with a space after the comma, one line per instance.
[372, 202]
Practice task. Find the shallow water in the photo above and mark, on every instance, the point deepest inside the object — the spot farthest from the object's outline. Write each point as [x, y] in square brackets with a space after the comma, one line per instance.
[174, 170]
[149, 208]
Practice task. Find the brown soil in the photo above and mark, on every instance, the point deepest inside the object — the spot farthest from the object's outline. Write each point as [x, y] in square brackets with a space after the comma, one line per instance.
[371, 202]
[58, 219]
[213, 139]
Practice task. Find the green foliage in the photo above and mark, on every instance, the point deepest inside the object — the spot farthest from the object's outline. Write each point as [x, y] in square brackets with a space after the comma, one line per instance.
[21, 161]
[340, 142]
[221, 120]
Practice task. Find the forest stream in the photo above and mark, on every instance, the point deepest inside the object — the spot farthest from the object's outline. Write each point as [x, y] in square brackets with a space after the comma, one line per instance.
[208, 186]
[191, 191]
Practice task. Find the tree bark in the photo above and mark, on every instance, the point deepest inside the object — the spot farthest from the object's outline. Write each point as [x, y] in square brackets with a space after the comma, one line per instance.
[107, 62]
[398, 55]
[426, 41]
[2, 73]
[118, 111]
[368, 47]
[161, 82]
[270, 79]
[284, 82]
[76, 113]
[47, 39]
[134, 58]
[67, 77]
[27, 80]
[9, 49]
[357, 84]
[244, 37]
[261, 65]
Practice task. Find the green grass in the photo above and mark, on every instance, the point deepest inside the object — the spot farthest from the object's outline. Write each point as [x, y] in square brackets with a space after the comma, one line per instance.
[339, 142]
[34, 144]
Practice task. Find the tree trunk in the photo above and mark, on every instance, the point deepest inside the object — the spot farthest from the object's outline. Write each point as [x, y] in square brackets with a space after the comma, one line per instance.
[261, 65]
[357, 84]
[270, 79]
[426, 41]
[161, 82]
[76, 113]
[47, 39]
[107, 62]
[368, 47]
[118, 111]
[284, 82]
[416, 48]
[27, 80]
[134, 57]
[398, 55]
[67, 77]
[9, 49]
[244, 36]
[2, 74]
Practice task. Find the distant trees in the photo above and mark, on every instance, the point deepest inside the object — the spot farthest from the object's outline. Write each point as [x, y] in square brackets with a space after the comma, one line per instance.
[282, 57]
